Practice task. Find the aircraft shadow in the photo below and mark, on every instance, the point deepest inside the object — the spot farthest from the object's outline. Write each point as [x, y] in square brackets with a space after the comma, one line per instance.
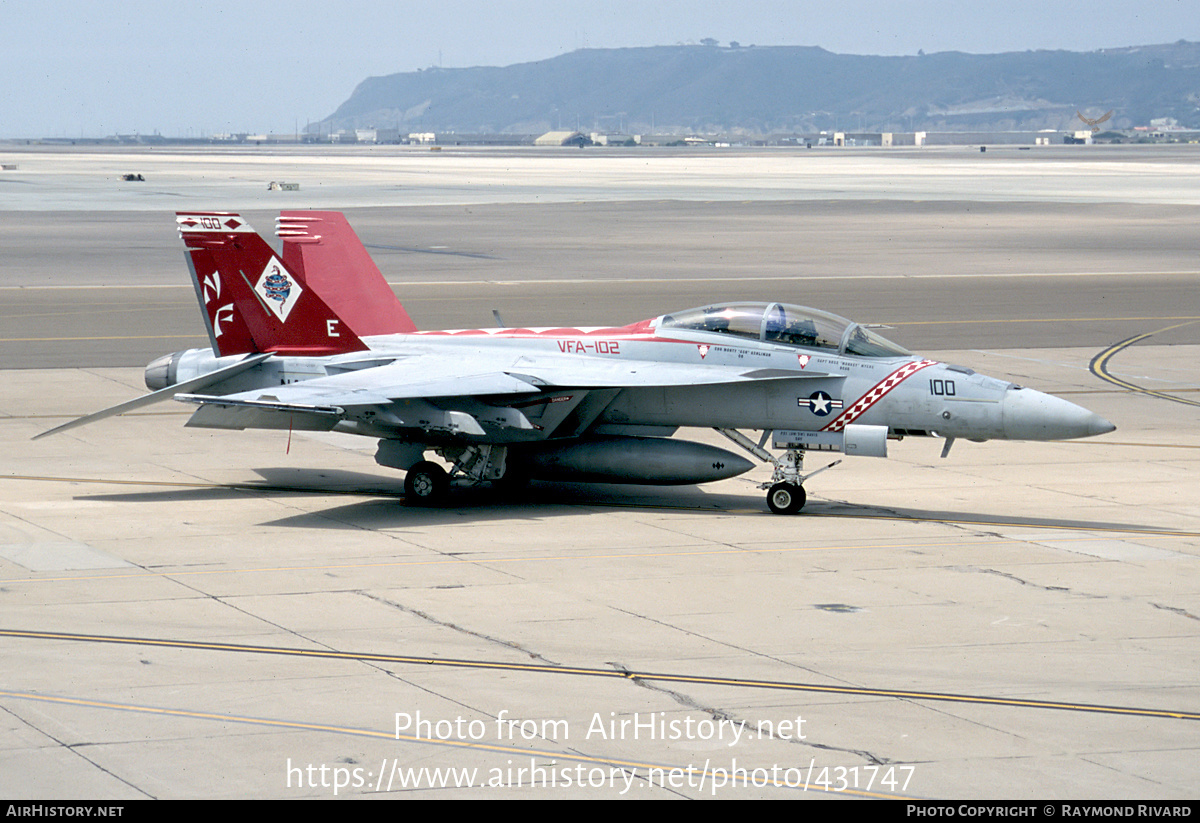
[544, 500]
[275, 482]
[834, 509]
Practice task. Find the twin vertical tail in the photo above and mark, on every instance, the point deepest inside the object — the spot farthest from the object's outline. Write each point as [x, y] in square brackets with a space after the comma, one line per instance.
[252, 301]
[326, 254]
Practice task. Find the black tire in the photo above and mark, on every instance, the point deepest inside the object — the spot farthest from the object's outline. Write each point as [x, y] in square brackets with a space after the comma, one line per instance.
[786, 498]
[426, 484]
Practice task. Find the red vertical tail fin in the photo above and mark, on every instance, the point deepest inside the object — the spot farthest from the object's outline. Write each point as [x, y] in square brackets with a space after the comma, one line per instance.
[251, 301]
[327, 256]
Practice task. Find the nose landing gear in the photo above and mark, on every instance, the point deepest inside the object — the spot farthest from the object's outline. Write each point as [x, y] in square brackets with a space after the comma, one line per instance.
[786, 498]
[785, 490]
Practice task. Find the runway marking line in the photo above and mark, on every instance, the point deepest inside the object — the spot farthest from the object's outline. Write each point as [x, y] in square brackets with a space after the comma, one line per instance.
[1099, 364]
[73, 416]
[77, 339]
[1189, 318]
[589, 281]
[625, 674]
[1127, 443]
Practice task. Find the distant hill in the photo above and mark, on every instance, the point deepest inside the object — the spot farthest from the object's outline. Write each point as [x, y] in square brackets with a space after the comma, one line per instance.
[762, 90]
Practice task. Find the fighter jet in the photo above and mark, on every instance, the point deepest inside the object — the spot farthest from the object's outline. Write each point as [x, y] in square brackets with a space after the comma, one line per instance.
[315, 340]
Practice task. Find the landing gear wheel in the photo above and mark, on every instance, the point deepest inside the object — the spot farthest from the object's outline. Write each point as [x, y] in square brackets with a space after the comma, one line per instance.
[426, 484]
[786, 498]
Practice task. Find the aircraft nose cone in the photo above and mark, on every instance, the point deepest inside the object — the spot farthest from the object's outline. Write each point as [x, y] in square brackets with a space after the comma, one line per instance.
[1098, 425]
[1031, 415]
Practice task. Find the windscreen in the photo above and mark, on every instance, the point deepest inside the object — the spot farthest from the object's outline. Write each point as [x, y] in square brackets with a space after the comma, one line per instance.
[786, 324]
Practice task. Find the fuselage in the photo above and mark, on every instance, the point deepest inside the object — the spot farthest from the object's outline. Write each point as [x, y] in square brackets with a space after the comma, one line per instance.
[754, 366]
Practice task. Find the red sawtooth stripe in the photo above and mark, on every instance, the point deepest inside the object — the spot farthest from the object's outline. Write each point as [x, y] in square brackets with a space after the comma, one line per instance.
[877, 393]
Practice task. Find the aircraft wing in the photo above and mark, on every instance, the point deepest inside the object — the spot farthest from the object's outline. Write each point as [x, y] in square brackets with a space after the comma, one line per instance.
[436, 391]
[428, 377]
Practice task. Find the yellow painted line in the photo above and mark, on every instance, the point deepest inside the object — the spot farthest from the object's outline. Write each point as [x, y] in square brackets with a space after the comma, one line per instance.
[1001, 524]
[118, 286]
[1099, 364]
[1189, 318]
[1094, 392]
[593, 281]
[188, 484]
[124, 337]
[624, 674]
[1125, 443]
[74, 415]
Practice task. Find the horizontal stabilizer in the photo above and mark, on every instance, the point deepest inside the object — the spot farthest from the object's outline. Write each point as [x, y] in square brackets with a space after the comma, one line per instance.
[167, 393]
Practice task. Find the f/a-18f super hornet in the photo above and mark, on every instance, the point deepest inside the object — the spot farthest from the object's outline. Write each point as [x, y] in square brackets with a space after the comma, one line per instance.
[314, 339]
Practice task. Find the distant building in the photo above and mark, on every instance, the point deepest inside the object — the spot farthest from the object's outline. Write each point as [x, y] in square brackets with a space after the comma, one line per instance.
[374, 135]
[562, 138]
[607, 139]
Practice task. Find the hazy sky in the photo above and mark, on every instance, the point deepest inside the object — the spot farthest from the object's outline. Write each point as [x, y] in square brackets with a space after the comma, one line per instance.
[75, 69]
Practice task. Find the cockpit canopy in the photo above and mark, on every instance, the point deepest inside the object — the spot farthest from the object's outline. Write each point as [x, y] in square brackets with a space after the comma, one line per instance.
[785, 324]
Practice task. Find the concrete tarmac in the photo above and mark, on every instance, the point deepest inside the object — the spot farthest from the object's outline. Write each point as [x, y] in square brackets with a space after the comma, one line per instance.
[190, 613]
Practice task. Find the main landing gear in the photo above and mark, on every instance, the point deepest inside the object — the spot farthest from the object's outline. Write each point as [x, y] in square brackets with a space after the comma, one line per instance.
[785, 489]
[426, 484]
